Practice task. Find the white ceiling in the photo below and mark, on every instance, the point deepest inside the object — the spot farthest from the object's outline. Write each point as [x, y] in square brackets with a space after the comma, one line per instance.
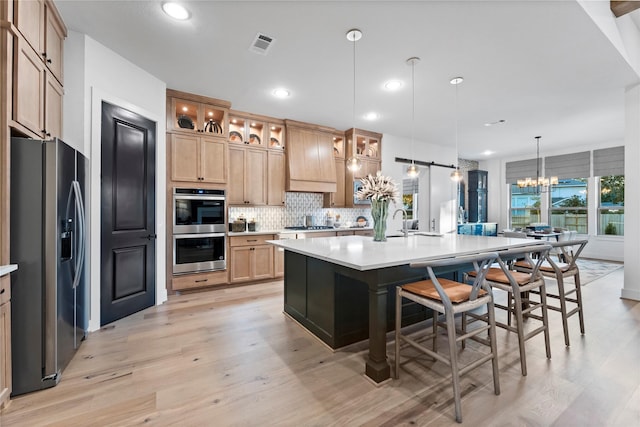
[544, 67]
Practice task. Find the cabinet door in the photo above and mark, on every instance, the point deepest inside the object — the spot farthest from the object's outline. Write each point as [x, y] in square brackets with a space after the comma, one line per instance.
[275, 178]
[213, 160]
[5, 352]
[278, 262]
[235, 188]
[53, 109]
[256, 177]
[184, 158]
[339, 195]
[28, 101]
[54, 41]
[262, 262]
[29, 18]
[241, 264]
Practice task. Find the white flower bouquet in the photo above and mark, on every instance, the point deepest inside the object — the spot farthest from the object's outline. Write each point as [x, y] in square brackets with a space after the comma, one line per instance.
[378, 188]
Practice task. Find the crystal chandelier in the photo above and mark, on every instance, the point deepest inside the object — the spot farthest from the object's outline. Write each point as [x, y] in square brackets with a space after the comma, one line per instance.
[540, 183]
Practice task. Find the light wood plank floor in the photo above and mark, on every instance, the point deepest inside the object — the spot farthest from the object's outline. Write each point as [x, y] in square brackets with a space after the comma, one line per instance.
[231, 358]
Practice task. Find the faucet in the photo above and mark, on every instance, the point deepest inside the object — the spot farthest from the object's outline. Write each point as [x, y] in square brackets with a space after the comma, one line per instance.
[405, 231]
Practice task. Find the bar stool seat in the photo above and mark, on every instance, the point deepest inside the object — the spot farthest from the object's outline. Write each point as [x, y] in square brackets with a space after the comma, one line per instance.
[561, 271]
[450, 297]
[519, 287]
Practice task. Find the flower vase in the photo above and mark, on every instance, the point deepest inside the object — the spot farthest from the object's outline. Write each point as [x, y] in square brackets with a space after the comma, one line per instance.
[379, 212]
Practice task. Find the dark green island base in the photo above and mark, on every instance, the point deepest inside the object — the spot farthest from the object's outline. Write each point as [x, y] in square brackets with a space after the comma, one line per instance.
[341, 305]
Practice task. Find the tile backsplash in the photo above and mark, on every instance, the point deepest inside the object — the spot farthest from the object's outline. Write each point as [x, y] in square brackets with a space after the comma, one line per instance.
[297, 205]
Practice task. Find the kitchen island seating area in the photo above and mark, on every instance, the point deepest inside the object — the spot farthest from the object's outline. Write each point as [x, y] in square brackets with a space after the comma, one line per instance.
[520, 287]
[448, 297]
[560, 269]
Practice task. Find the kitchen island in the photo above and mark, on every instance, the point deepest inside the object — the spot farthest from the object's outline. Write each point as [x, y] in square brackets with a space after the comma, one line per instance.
[332, 283]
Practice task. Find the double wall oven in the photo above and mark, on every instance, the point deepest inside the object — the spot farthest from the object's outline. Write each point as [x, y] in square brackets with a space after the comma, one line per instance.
[199, 230]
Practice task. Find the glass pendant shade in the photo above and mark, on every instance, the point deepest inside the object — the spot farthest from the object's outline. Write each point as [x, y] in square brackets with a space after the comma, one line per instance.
[456, 175]
[413, 171]
[354, 164]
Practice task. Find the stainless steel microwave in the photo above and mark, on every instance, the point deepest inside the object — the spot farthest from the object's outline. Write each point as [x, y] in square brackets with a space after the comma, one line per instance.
[357, 184]
[197, 210]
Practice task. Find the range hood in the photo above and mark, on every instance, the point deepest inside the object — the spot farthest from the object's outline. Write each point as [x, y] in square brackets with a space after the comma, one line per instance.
[311, 167]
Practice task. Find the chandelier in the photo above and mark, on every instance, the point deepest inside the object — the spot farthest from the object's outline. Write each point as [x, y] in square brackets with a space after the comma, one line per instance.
[540, 183]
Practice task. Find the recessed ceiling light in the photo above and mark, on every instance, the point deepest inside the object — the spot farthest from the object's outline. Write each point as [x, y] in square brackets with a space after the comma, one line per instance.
[456, 80]
[372, 116]
[281, 93]
[497, 122]
[393, 85]
[176, 10]
[487, 153]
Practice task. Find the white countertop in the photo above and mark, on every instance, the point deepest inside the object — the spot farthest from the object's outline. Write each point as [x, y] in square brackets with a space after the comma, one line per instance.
[362, 253]
[250, 233]
[6, 269]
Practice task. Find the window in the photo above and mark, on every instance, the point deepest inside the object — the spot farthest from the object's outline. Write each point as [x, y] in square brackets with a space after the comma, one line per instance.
[611, 206]
[410, 197]
[525, 206]
[568, 205]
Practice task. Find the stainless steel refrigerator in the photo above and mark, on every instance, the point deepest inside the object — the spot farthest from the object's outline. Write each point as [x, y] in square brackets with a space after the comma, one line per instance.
[48, 234]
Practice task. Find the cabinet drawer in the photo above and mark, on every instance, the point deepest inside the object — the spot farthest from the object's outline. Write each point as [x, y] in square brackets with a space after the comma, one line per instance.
[199, 280]
[260, 239]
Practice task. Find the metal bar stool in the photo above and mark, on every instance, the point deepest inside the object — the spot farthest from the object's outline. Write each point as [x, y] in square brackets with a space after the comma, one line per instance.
[560, 271]
[518, 286]
[450, 298]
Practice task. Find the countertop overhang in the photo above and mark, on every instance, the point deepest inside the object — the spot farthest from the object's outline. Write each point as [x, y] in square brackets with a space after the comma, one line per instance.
[362, 253]
[6, 269]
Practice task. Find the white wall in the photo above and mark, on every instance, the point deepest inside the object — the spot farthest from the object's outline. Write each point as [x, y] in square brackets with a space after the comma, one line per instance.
[94, 73]
[632, 201]
[599, 247]
[444, 189]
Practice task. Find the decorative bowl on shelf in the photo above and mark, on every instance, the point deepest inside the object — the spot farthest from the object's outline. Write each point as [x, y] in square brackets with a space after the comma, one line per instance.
[235, 136]
[185, 122]
[254, 139]
[273, 142]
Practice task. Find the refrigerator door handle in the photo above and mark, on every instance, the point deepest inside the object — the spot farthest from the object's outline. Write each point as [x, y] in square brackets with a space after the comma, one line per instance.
[81, 233]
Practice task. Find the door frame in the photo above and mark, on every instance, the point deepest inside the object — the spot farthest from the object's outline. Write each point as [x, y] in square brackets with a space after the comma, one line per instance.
[93, 203]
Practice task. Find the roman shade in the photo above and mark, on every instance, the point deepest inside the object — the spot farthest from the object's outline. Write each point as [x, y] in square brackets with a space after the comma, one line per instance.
[521, 169]
[574, 165]
[608, 161]
[409, 186]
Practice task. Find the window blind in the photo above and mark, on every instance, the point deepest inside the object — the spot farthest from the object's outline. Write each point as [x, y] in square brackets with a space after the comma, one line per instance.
[575, 165]
[608, 161]
[521, 169]
[409, 186]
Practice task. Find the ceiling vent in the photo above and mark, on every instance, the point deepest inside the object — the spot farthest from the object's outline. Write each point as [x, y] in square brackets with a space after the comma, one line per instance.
[261, 44]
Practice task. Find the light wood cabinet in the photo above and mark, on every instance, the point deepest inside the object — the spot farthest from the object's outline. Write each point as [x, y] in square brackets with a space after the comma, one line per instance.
[41, 26]
[198, 159]
[256, 130]
[247, 176]
[310, 165]
[189, 114]
[337, 199]
[366, 146]
[251, 258]
[275, 178]
[200, 280]
[37, 96]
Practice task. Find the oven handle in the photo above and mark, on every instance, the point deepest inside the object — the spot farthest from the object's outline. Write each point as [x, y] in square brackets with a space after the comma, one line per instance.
[198, 235]
[185, 197]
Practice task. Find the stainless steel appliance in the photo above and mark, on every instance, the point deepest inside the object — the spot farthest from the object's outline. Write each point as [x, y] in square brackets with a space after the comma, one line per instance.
[357, 185]
[199, 230]
[48, 292]
[197, 210]
[199, 252]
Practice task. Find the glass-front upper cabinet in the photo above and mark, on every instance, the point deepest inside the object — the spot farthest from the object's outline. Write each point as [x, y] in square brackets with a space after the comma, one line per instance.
[252, 129]
[193, 114]
[363, 144]
[276, 135]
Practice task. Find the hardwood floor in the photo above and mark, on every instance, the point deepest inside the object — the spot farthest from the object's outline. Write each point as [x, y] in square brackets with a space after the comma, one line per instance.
[230, 357]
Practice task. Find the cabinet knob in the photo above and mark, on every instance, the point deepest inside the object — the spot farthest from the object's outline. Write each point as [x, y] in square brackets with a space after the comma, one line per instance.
[2, 291]
[44, 54]
[49, 61]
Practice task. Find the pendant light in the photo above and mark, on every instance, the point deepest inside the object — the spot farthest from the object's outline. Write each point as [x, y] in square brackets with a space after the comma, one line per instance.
[412, 170]
[456, 175]
[353, 163]
[540, 184]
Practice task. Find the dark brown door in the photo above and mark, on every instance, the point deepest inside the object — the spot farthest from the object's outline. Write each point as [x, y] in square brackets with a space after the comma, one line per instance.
[128, 198]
